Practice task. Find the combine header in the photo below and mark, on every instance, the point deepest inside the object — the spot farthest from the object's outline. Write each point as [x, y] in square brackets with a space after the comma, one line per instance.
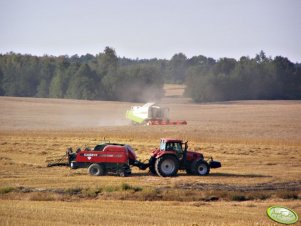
[151, 114]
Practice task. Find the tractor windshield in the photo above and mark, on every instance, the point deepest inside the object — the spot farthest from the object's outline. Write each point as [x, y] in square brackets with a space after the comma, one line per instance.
[174, 147]
[162, 145]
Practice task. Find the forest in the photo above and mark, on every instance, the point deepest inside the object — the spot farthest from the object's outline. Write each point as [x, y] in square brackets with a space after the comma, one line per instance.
[105, 76]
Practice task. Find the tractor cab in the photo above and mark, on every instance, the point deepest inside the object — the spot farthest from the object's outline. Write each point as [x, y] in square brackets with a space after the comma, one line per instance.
[173, 145]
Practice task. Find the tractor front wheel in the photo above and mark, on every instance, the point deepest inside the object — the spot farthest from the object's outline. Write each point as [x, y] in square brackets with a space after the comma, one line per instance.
[200, 168]
[167, 166]
[96, 170]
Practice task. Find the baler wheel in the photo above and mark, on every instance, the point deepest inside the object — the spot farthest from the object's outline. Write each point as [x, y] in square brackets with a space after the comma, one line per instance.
[96, 170]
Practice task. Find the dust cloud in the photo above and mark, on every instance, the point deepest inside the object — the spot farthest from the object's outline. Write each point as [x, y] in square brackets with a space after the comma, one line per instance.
[56, 114]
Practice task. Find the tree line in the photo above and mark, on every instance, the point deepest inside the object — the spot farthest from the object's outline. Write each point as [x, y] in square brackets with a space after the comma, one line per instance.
[100, 77]
[108, 77]
[258, 78]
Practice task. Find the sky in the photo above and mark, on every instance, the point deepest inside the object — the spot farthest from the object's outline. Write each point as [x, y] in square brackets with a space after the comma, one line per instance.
[147, 29]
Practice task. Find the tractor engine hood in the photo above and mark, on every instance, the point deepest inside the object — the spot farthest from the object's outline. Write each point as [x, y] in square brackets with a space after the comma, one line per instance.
[192, 155]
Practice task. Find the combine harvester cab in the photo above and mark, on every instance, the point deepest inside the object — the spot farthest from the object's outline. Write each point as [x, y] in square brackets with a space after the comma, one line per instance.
[151, 114]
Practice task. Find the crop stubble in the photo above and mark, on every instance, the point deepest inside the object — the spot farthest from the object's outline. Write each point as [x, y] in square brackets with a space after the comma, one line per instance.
[258, 142]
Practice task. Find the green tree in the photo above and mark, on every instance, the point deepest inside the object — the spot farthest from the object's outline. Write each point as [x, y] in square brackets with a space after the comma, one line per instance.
[46, 72]
[11, 69]
[43, 89]
[225, 66]
[177, 68]
[1, 83]
[82, 85]
[107, 62]
[56, 86]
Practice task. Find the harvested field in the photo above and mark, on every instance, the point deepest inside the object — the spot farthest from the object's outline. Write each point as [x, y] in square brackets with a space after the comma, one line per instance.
[258, 143]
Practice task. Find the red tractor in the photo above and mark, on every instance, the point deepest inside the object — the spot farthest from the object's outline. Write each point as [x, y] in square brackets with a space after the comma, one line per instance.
[164, 161]
[173, 156]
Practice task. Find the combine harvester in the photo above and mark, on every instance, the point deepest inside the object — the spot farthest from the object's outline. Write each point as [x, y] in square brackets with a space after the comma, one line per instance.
[151, 114]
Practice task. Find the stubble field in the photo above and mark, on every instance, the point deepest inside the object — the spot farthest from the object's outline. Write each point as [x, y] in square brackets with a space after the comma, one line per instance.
[258, 143]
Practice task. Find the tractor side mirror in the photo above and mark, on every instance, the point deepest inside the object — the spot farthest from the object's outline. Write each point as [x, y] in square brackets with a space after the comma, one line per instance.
[186, 145]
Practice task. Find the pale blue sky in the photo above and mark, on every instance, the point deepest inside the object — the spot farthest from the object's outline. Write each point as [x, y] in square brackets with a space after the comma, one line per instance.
[152, 28]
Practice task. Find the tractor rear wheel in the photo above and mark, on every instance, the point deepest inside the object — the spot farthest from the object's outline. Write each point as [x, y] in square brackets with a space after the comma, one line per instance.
[96, 170]
[167, 166]
[200, 168]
